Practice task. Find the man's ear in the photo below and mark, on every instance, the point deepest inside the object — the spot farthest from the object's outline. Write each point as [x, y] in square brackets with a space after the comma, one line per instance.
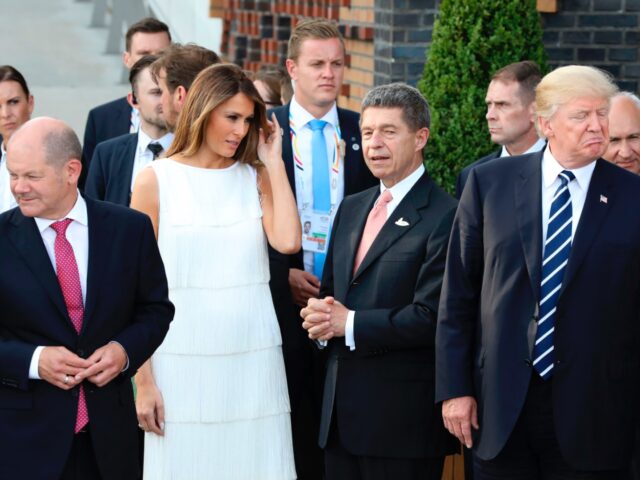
[126, 58]
[131, 100]
[422, 136]
[291, 68]
[180, 94]
[73, 169]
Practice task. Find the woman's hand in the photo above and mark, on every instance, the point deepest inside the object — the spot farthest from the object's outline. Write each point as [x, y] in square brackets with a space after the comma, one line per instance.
[270, 146]
[150, 409]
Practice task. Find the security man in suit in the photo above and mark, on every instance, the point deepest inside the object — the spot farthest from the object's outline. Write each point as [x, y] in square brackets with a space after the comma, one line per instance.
[378, 305]
[324, 163]
[537, 340]
[116, 162]
[510, 114]
[148, 36]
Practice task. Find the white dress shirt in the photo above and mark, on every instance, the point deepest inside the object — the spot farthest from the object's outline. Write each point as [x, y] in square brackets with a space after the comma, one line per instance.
[398, 192]
[144, 156]
[7, 200]
[304, 178]
[78, 236]
[577, 188]
[536, 147]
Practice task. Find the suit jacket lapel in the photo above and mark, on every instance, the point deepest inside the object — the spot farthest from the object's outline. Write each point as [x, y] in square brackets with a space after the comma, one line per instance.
[282, 115]
[353, 177]
[28, 242]
[528, 204]
[99, 255]
[416, 198]
[128, 156]
[345, 251]
[593, 214]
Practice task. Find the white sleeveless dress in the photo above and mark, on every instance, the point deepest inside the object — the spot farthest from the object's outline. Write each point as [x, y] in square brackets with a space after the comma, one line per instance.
[220, 368]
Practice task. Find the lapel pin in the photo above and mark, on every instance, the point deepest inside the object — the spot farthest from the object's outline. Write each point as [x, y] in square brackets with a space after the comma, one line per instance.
[603, 199]
[355, 147]
[401, 222]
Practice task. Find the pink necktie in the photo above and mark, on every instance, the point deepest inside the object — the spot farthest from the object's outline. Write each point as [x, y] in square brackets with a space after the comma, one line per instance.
[69, 279]
[375, 221]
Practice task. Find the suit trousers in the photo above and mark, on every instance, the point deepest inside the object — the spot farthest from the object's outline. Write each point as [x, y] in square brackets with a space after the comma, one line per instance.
[342, 465]
[532, 451]
[81, 464]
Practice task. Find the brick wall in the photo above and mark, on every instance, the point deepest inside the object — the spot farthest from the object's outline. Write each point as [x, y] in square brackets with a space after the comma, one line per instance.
[602, 33]
[386, 40]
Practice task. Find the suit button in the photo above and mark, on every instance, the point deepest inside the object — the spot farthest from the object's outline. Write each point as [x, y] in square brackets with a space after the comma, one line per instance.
[355, 283]
[80, 353]
[75, 392]
[528, 362]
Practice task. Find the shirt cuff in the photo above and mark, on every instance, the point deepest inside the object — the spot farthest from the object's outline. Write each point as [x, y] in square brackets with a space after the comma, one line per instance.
[349, 339]
[321, 344]
[126, 365]
[33, 366]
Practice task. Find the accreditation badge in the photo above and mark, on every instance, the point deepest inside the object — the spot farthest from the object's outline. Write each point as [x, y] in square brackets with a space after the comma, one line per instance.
[315, 231]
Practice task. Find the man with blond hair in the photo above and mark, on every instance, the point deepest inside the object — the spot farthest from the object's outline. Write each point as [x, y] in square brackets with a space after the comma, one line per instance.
[323, 158]
[536, 346]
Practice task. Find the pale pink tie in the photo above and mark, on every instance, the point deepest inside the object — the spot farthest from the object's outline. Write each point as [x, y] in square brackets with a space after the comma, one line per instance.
[69, 279]
[376, 219]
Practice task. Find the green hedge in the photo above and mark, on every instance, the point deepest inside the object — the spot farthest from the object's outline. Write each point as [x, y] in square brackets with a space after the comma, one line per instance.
[471, 40]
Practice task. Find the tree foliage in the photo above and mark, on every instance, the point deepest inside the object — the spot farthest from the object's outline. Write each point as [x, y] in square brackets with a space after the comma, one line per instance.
[471, 40]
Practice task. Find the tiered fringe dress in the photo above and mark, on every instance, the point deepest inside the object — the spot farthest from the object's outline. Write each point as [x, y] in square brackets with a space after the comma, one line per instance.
[220, 369]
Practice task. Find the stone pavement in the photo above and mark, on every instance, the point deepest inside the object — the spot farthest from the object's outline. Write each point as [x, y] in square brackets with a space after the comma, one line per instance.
[61, 57]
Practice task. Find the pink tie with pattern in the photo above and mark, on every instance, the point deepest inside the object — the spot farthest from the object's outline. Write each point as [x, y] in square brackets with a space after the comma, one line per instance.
[69, 279]
[376, 219]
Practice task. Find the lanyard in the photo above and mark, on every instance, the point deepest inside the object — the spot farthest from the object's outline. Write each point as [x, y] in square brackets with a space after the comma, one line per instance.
[338, 149]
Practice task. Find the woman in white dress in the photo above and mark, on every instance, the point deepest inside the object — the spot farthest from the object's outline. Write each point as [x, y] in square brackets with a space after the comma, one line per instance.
[213, 399]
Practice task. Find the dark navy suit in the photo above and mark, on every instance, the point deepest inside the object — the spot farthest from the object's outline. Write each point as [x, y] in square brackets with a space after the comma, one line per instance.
[126, 301]
[111, 169]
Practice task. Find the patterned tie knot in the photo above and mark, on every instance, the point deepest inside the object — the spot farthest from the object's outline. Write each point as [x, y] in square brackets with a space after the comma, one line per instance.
[565, 177]
[156, 149]
[317, 124]
[60, 227]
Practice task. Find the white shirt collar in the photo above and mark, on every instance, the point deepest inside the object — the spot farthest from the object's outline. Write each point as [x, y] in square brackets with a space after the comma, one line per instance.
[536, 147]
[144, 140]
[302, 117]
[400, 189]
[78, 214]
[551, 169]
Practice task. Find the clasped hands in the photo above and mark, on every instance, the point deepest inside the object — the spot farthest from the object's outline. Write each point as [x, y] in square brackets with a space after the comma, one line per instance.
[64, 369]
[324, 318]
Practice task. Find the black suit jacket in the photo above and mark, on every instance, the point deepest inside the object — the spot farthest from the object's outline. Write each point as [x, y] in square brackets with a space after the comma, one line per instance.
[111, 169]
[126, 301]
[383, 391]
[357, 177]
[464, 174]
[486, 325]
[105, 121]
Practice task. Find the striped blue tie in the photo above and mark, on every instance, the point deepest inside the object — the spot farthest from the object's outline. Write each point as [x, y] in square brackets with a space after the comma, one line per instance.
[320, 182]
[557, 247]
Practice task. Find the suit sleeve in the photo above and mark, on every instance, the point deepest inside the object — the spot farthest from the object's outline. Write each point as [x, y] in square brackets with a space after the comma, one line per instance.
[458, 313]
[88, 146]
[94, 186]
[326, 284]
[15, 359]
[153, 311]
[413, 325]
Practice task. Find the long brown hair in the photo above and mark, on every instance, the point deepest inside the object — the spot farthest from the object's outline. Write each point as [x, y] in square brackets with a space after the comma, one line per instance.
[213, 86]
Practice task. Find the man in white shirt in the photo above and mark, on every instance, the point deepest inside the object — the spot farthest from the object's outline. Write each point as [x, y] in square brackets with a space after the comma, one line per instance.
[510, 114]
[378, 304]
[117, 162]
[147, 36]
[536, 347]
[323, 166]
[84, 302]
[16, 106]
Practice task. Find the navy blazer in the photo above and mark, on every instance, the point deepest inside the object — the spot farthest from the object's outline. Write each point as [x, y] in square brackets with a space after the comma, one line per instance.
[111, 169]
[105, 121]
[464, 174]
[126, 301]
[487, 321]
[383, 391]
